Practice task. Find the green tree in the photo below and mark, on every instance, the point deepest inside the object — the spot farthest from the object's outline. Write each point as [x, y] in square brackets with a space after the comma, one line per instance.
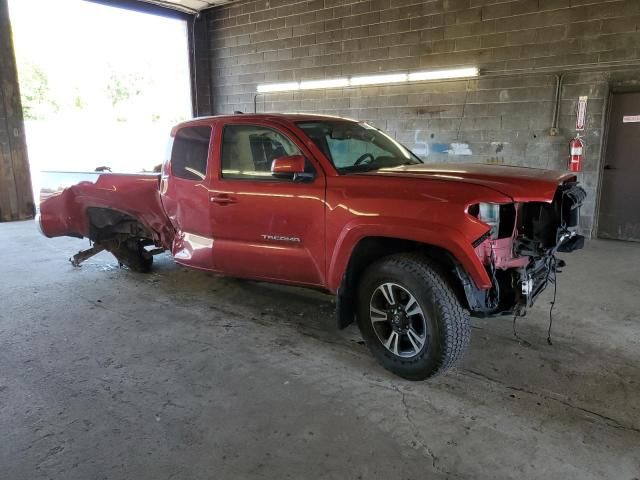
[37, 101]
[123, 87]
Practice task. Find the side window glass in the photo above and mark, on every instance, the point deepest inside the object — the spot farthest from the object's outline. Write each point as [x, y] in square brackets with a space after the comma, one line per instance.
[190, 153]
[248, 150]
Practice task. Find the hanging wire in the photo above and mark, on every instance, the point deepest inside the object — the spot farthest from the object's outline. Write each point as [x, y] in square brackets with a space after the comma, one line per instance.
[518, 312]
[552, 277]
[554, 266]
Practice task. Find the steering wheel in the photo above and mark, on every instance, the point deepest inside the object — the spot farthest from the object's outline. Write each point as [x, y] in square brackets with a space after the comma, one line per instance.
[363, 157]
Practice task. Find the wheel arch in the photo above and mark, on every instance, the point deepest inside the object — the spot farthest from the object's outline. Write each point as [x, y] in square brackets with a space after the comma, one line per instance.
[368, 249]
[104, 223]
[429, 234]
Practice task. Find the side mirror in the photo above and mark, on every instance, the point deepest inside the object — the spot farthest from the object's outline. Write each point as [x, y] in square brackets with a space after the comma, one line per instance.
[290, 166]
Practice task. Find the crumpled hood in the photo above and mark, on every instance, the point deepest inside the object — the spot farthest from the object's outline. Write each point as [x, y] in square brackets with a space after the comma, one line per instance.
[520, 183]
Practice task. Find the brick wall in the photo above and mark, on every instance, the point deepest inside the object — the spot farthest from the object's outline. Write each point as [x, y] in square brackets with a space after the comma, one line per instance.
[504, 117]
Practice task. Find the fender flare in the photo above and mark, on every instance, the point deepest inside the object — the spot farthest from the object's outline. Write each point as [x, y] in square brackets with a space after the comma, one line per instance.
[428, 233]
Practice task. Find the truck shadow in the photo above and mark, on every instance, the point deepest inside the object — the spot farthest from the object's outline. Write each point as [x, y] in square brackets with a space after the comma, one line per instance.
[575, 372]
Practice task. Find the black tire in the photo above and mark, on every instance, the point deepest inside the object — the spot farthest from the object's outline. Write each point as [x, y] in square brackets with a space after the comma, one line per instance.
[445, 322]
[132, 255]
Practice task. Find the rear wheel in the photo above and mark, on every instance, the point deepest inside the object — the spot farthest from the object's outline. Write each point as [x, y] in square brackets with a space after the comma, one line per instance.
[133, 255]
[410, 317]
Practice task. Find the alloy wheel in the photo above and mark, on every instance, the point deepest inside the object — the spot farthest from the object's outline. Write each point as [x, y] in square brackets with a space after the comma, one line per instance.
[398, 320]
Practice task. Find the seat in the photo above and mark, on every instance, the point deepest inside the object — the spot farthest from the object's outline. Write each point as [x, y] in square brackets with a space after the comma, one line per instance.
[236, 154]
[264, 150]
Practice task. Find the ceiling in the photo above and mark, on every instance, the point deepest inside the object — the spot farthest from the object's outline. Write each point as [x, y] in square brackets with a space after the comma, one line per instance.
[188, 6]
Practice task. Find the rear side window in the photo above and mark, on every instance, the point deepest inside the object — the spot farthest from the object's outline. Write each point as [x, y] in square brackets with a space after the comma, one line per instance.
[190, 153]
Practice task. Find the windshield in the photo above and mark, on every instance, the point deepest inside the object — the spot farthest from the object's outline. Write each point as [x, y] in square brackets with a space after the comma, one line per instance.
[357, 147]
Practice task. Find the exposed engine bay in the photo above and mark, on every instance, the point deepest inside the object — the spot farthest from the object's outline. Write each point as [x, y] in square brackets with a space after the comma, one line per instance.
[519, 250]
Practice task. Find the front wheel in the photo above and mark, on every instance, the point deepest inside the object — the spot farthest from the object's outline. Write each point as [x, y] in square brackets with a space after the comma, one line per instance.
[410, 317]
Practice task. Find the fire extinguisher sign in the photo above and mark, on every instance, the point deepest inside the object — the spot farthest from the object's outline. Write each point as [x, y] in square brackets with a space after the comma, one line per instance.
[581, 114]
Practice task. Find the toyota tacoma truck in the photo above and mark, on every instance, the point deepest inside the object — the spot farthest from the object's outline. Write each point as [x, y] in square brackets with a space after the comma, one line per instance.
[410, 249]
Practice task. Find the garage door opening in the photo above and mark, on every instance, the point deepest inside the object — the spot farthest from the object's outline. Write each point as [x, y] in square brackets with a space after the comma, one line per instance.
[100, 86]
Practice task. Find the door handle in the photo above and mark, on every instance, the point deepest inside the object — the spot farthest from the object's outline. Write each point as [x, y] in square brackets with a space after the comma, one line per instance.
[609, 167]
[222, 199]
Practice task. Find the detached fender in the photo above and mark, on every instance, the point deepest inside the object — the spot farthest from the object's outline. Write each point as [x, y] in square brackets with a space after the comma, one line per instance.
[438, 235]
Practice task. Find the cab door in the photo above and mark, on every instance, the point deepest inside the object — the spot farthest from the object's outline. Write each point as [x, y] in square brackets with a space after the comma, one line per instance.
[185, 196]
[262, 226]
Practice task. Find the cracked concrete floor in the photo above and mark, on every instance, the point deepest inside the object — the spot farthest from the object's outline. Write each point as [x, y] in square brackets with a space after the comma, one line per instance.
[105, 373]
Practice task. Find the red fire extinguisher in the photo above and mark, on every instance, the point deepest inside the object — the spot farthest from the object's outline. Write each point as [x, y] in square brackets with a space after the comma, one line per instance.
[577, 154]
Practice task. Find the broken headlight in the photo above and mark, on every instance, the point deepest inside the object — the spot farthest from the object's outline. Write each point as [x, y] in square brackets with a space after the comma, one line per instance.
[500, 218]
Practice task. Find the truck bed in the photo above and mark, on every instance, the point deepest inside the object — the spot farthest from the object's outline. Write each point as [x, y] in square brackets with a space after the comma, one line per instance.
[66, 196]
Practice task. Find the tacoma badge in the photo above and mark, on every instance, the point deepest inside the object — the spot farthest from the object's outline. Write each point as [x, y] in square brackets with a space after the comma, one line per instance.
[280, 238]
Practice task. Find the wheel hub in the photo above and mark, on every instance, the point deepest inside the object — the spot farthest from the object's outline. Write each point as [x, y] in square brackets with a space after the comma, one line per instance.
[399, 320]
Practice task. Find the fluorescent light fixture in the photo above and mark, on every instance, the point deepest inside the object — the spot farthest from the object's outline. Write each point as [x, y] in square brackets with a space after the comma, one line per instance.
[278, 87]
[330, 83]
[444, 74]
[378, 79]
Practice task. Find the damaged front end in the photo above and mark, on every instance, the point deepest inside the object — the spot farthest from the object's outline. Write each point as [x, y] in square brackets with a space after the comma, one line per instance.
[519, 250]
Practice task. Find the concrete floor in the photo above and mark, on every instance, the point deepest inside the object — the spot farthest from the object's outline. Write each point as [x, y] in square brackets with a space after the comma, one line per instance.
[178, 374]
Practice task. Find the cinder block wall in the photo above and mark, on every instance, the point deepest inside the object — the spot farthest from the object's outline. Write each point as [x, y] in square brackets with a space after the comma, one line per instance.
[504, 117]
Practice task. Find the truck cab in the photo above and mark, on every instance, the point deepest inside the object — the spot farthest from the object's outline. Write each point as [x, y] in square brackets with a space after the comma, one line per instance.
[218, 188]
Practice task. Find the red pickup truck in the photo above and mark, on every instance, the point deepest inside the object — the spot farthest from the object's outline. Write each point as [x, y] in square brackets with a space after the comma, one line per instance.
[410, 249]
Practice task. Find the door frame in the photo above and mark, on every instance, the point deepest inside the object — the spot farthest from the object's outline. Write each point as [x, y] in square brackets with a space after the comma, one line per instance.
[603, 153]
